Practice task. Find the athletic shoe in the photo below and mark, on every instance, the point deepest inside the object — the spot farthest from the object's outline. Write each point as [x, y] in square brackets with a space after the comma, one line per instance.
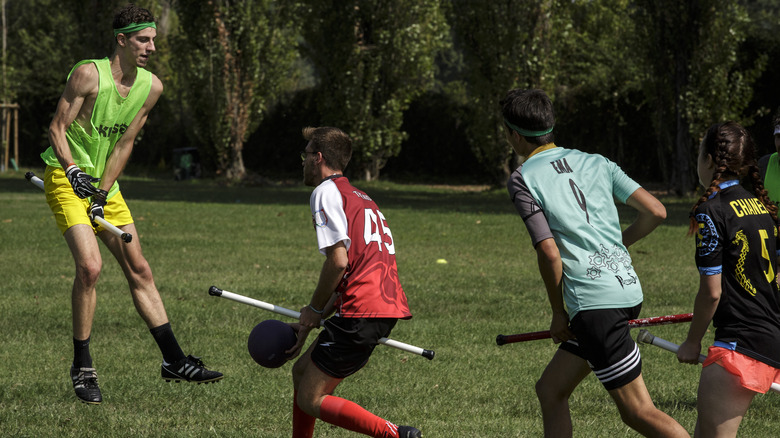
[191, 369]
[85, 383]
[408, 432]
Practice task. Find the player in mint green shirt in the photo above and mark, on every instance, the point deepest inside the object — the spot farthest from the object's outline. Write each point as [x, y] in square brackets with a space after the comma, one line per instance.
[566, 199]
[101, 111]
[583, 220]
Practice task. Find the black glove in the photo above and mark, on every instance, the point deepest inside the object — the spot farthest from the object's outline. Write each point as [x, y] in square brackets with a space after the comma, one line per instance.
[96, 207]
[81, 181]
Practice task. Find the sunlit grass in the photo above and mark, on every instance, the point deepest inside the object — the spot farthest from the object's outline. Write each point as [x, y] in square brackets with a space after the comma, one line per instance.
[258, 241]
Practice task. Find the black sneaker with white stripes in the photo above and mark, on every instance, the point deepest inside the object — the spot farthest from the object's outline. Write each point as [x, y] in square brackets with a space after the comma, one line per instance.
[85, 383]
[409, 432]
[190, 369]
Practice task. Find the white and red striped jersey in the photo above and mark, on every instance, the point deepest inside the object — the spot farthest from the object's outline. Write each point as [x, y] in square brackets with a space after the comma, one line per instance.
[370, 288]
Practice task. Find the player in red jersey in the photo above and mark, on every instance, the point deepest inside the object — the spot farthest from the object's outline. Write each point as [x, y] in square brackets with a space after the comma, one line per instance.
[358, 281]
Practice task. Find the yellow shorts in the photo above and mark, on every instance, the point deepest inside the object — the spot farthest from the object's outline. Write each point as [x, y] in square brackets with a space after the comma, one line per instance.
[70, 210]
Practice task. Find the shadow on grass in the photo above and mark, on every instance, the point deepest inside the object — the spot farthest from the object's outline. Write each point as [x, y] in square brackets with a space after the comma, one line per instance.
[387, 195]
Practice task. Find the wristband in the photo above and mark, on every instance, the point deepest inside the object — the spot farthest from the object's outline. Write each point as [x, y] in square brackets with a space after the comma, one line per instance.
[100, 197]
[319, 312]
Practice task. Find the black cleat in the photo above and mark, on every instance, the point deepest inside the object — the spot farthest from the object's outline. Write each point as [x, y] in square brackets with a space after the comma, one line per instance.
[85, 383]
[408, 432]
[190, 369]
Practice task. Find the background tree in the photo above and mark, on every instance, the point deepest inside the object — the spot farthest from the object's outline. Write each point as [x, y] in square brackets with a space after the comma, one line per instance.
[721, 80]
[634, 80]
[693, 77]
[598, 97]
[763, 39]
[504, 45]
[233, 60]
[372, 59]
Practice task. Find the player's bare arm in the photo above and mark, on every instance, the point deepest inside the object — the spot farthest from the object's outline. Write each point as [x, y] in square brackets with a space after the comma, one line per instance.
[321, 304]
[333, 270]
[121, 153]
[704, 307]
[651, 213]
[551, 269]
[75, 104]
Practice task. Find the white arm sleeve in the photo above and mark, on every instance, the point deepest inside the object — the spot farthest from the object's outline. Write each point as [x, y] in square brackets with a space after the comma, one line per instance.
[328, 216]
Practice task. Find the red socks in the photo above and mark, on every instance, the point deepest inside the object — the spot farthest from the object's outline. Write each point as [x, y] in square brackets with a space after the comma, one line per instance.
[349, 415]
[303, 423]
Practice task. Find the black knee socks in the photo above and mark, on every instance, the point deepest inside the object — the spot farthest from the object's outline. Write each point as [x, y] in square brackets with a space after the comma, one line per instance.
[163, 335]
[165, 339]
[81, 356]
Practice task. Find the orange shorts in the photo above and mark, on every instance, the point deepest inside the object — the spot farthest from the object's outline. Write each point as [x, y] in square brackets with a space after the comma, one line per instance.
[753, 374]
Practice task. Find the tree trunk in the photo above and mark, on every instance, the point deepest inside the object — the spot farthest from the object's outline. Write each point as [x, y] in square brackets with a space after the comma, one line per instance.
[682, 143]
[682, 156]
[370, 170]
[236, 171]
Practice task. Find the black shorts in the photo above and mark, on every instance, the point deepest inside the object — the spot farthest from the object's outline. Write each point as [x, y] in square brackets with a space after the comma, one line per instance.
[345, 344]
[604, 340]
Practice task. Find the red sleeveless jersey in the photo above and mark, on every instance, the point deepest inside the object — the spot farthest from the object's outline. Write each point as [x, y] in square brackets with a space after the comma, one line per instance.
[370, 288]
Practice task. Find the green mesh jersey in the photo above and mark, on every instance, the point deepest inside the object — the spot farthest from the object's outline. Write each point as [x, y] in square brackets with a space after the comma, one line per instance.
[569, 195]
[91, 145]
[772, 178]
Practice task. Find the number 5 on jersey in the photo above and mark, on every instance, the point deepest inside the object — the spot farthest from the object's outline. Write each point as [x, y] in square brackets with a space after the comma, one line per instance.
[373, 222]
[770, 274]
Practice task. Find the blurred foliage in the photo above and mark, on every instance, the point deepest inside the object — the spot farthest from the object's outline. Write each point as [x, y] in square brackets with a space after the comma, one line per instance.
[234, 60]
[416, 82]
[505, 45]
[693, 76]
[372, 60]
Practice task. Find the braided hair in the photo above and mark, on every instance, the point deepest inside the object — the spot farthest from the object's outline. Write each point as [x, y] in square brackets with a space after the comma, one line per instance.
[734, 154]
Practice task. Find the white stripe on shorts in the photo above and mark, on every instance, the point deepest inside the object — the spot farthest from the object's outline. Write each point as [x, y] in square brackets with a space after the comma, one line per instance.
[621, 368]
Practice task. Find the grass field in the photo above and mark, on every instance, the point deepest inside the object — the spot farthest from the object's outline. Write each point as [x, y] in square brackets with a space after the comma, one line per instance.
[258, 241]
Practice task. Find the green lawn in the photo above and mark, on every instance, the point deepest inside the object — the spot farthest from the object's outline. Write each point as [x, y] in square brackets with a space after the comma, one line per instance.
[258, 241]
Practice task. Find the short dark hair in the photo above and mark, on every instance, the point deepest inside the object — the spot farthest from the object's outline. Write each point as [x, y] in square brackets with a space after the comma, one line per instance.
[333, 143]
[132, 14]
[531, 110]
[776, 119]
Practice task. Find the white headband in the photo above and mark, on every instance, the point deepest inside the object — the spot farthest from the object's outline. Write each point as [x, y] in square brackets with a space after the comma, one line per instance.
[777, 129]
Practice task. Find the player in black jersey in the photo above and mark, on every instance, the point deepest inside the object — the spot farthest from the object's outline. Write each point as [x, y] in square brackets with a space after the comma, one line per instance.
[736, 254]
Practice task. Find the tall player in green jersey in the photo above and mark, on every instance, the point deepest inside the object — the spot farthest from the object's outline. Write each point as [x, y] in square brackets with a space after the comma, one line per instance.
[104, 105]
[566, 199]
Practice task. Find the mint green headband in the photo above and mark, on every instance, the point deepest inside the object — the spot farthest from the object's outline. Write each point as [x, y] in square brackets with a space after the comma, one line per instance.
[526, 133]
[135, 27]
